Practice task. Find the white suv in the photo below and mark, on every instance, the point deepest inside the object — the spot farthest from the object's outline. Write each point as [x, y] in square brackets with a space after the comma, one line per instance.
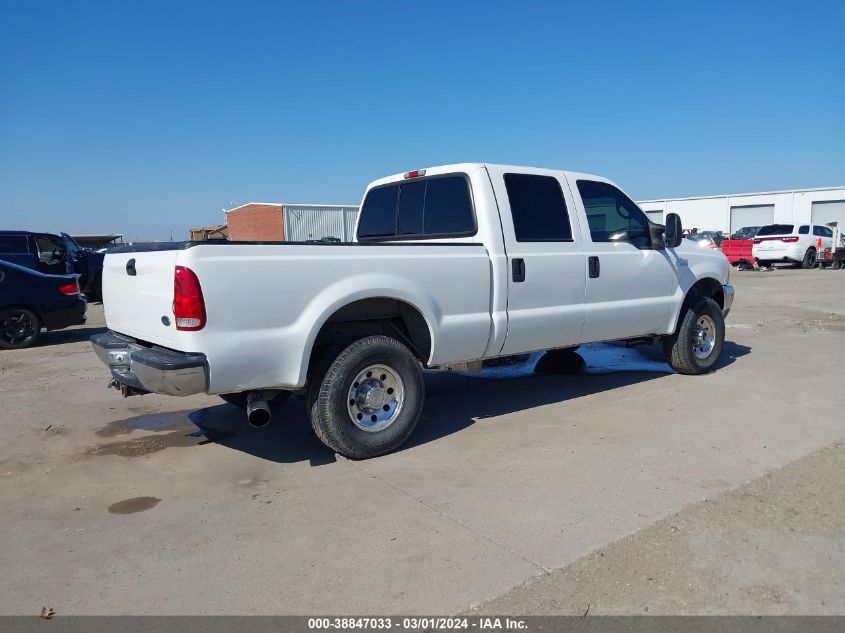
[790, 243]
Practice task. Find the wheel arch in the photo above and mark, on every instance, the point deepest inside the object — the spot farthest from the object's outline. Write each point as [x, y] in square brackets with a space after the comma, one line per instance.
[708, 287]
[22, 306]
[359, 316]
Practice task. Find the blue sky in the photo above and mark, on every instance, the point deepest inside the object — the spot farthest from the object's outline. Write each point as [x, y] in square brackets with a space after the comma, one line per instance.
[144, 118]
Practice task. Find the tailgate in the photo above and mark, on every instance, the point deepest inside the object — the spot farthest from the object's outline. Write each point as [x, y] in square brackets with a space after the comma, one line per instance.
[135, 303]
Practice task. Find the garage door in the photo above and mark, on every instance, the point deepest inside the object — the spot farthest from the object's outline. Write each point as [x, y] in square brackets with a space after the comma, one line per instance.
[655, 216]
[832, 211]
[758, 215]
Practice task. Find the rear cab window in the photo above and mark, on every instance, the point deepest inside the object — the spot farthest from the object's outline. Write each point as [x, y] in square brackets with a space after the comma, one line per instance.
[776, 229]
[422, 208]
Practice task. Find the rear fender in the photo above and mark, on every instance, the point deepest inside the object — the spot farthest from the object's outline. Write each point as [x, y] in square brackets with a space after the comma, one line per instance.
[365, 286]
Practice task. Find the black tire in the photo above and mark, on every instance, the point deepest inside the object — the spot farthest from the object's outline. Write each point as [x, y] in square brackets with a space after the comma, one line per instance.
[335, 380]
[98, 289]
[239, 399]
[681, 349]
[809, 260]
[19, 328]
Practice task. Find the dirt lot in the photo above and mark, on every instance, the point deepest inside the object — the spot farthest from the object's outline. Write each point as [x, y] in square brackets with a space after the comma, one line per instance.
[626, 490]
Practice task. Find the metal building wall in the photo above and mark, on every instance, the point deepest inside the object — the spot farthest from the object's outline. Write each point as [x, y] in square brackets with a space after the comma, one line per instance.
[314, 222]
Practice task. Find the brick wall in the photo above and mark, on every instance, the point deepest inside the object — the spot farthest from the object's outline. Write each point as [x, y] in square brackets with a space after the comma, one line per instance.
[257, 222]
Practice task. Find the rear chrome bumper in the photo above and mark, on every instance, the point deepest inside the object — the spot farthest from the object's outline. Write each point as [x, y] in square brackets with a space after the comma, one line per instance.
[729, 293]
[152, 369]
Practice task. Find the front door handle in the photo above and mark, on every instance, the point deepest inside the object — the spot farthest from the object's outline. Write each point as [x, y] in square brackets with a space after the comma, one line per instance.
[594, 266]
[518, 269]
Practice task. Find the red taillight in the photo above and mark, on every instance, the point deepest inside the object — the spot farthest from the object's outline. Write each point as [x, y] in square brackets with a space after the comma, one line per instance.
[757, 240]
[71, 288]
[794, 238]
[415, 174]
[188, 304]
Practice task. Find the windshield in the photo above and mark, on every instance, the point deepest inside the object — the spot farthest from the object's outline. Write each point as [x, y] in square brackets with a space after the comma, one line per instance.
[776, 229]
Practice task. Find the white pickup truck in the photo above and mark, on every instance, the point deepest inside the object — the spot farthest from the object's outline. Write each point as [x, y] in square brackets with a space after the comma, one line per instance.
[450, 265]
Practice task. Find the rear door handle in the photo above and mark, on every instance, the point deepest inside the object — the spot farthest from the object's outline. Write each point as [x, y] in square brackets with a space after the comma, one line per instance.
[518, 269]
[594, 266]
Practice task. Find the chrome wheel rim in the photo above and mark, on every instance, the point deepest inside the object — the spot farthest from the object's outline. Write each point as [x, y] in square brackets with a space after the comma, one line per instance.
[375, 398]
[704, 337]
[18, 328]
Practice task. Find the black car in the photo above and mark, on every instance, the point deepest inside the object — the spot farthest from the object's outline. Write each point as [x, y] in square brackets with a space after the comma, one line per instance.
[31, 301]
[54, 255]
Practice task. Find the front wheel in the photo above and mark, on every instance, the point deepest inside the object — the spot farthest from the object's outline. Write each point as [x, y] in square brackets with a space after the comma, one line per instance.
[365, 400]
[19, 328]
[697, 343]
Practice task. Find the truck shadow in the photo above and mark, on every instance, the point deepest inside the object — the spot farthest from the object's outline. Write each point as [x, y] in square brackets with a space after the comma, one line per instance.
[454, 402]
[71, 335]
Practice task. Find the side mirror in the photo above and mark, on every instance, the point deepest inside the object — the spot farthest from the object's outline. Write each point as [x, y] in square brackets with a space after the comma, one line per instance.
[674, 231]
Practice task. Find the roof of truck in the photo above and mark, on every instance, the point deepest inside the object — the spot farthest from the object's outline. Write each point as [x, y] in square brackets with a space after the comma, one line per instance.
[470, 167]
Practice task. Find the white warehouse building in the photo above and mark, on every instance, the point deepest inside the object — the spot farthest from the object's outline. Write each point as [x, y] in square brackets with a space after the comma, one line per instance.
[730, 213]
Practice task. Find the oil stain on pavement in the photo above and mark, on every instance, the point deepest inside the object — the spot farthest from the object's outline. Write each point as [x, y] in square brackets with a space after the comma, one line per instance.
[177, 429]
[135, 504]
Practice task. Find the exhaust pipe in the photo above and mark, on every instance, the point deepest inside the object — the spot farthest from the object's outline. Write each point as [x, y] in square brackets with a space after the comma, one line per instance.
[257, 410]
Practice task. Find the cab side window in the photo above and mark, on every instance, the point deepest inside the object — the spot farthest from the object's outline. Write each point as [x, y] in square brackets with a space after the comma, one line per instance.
[613, 216]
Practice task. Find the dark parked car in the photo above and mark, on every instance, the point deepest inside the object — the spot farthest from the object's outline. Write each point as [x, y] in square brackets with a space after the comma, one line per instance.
[54, 255]
[31, 301]
[746, 233]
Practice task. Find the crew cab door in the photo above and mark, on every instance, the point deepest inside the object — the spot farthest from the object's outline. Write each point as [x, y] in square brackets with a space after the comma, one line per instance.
[545, 260]
[630, 277]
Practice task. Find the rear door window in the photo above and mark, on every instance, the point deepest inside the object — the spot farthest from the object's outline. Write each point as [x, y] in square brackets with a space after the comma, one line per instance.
[776, 229]
[538, 208]
[822, 231]
[17, 244]
[439, 206]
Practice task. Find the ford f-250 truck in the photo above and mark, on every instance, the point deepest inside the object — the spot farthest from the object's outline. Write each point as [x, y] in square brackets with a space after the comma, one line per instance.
[449, 265]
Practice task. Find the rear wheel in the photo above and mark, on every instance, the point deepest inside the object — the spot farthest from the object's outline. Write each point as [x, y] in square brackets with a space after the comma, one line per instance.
[19, 328]
[366, 398]
[697, 343]
[809, 260]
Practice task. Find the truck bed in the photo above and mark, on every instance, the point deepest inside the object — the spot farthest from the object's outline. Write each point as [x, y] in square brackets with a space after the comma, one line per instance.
[266, 301]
